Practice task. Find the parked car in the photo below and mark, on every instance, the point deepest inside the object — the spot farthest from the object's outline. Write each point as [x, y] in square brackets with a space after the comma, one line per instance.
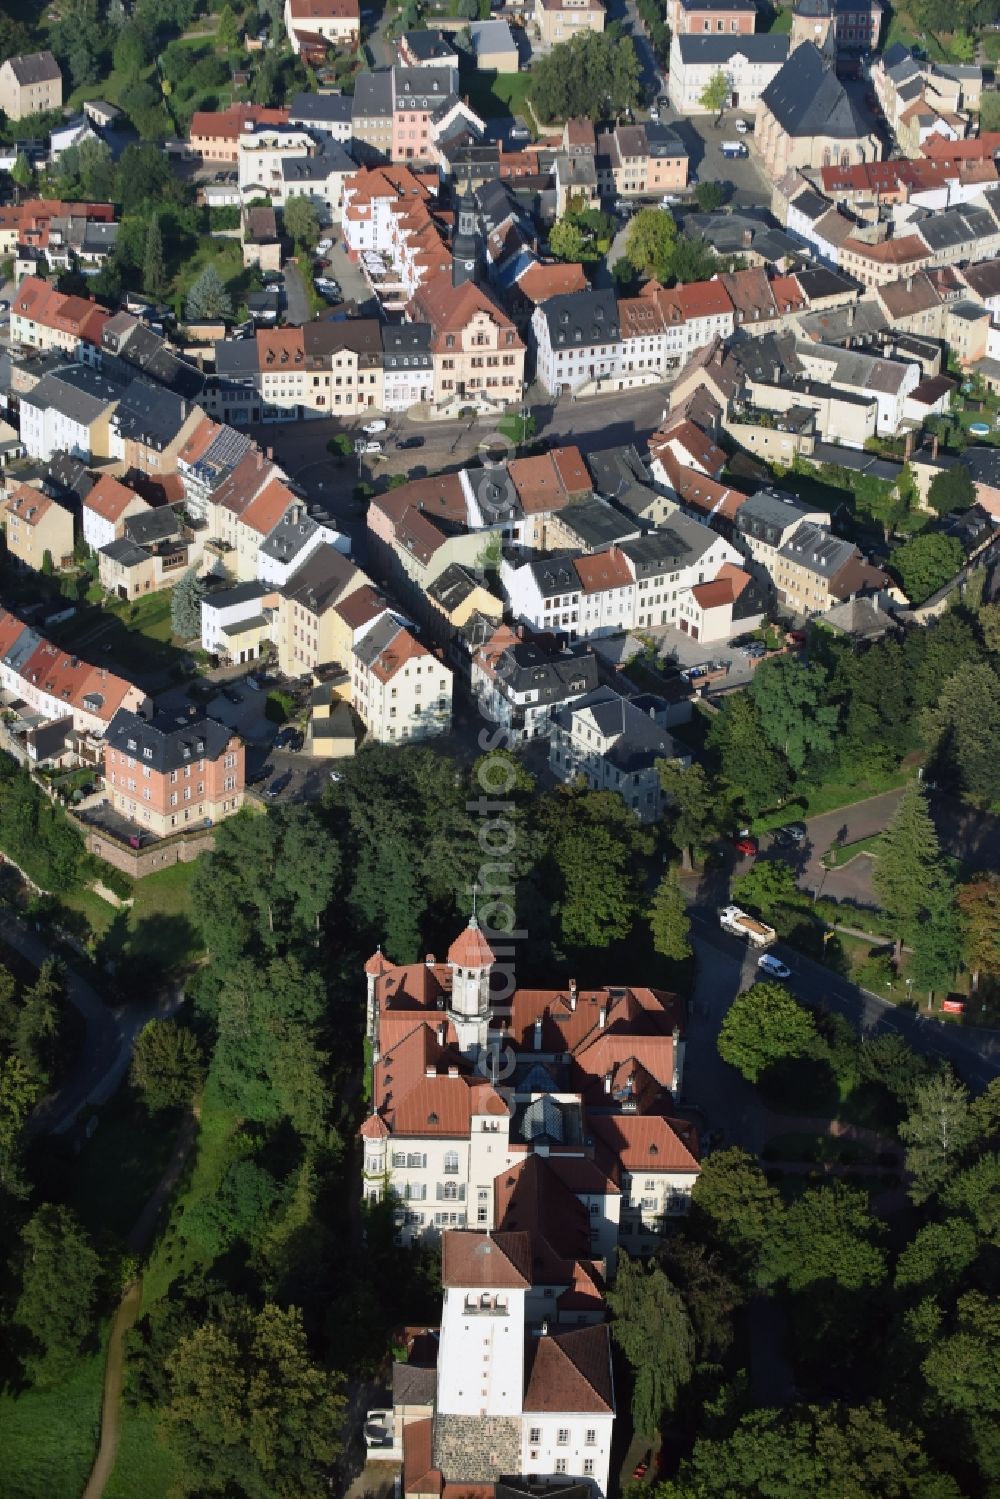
[231, 695]
[259, 776]
[279, 783]
[379, 1429]
[404, 444]
[756, 649]
[369, 447]
[253, 684]
[336, 775]
[654, 113]
[794, 832]
[284, 737]
[325, 244]
[371, 429]
[773, 967]
[746, 844]
[668, 199]
[741, 127]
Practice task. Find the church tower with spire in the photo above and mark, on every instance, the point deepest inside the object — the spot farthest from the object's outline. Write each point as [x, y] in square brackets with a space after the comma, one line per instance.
[814, 21]
[465, 241]
[471, 960]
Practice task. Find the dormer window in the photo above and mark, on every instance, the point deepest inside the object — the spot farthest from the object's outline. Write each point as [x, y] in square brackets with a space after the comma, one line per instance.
[147, 753]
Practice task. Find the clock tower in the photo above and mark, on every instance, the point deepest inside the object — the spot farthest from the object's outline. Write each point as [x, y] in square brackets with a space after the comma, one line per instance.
[465, 241]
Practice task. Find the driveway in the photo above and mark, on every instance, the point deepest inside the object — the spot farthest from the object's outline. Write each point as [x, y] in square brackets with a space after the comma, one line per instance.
[246, 717]
[297, 306]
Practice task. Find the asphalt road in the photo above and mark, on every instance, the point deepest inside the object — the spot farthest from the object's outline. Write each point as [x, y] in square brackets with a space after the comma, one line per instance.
[726, 966]
[109, 1036]
[297, 309]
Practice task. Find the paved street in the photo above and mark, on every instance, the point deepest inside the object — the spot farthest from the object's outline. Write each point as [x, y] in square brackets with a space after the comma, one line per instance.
[297, 310]
[109, 1036]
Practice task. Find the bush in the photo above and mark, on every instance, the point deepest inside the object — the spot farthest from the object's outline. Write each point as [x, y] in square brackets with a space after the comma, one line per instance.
[114, 879]
[279, 707]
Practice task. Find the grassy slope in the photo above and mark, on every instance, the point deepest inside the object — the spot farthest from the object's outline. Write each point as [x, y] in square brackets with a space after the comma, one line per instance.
[48, 1437]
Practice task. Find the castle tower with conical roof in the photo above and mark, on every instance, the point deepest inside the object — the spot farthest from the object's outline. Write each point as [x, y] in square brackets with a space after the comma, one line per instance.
[471, 960]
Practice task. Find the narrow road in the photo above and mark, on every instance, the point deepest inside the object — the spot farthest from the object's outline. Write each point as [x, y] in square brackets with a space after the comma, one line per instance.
[109, 1036]
[297, 309]
[128, 1310]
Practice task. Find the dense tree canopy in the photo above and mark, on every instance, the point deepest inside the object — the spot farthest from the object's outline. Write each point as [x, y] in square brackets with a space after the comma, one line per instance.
[764, 1026]
[590, 77]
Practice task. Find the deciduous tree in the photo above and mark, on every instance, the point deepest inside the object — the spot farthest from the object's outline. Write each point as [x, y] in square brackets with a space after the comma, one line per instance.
[754, 774]
[962, 730]
[301, 222]
[692, 806]
[764, 1026]
[925, 563]
[653, 1330]
[60, 1271]
[167, 1065]
[715, 95]
[154, 270]
[735, 1207]
[651, 242]
[951, 489]
[768, 884]
[795, 716]
[937, 1132]
[248, 1409]
[669, 921]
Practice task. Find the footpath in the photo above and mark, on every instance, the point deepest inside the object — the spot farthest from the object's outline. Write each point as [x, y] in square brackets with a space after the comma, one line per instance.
[138, 1243]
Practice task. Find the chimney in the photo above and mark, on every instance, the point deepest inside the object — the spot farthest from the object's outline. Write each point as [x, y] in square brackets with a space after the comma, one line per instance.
[572, 994]
[607, 1082]
[935, 444]
[909, 283]
[452, 1071]
[908, 446]
[544, 1330]
[442, 1032]
[430, 960]
[602, 1018]
[270, 453]
[538, 1035]
[851, 314]
[430, 1070]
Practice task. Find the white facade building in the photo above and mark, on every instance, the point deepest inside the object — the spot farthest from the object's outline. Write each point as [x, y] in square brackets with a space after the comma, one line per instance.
[226, 607]
[748, 63]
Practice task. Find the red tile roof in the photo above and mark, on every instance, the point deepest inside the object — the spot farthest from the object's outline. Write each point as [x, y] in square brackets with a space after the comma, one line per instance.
[603, 571]
[486, 1261]
[641, 1142]
[570, 1371]
[471, 949]
[110, 499]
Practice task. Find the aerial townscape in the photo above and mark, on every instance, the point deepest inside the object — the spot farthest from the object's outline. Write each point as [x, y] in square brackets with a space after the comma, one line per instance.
[500, 749]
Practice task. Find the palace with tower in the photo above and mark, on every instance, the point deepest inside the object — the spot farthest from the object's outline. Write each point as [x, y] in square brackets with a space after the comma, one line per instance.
[536, 1134]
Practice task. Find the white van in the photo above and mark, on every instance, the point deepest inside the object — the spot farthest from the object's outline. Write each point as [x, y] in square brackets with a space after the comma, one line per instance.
[734, 148]
[374, 427]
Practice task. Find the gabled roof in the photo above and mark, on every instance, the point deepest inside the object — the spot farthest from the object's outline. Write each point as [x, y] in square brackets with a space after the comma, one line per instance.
[570, 1371]
[488, 1261]
[807, 98]
[110, 499]
[34, 67]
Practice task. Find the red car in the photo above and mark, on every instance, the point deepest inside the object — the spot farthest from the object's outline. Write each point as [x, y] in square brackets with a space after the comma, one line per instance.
[642, 1467]
[745, 844]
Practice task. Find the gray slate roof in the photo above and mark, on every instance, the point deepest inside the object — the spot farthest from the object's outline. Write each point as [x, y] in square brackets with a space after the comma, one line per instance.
[321, 109]
[677, 543]
[719, 49]
[35, 67]
[582, 318]
[641, 741]
[813, 548]
[807, 98]
[240, 593]
[406, 346]
[150, 414]
[556, 676]
[168, 741]
[77, 391]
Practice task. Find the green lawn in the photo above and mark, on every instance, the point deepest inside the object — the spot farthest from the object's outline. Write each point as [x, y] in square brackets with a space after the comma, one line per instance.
[830, 797]
[143, 1466]
[157, 928]
[227, 257]
[782, 23]
[842, 854]
[496, 95]
[48, 1438]
[110, 88]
